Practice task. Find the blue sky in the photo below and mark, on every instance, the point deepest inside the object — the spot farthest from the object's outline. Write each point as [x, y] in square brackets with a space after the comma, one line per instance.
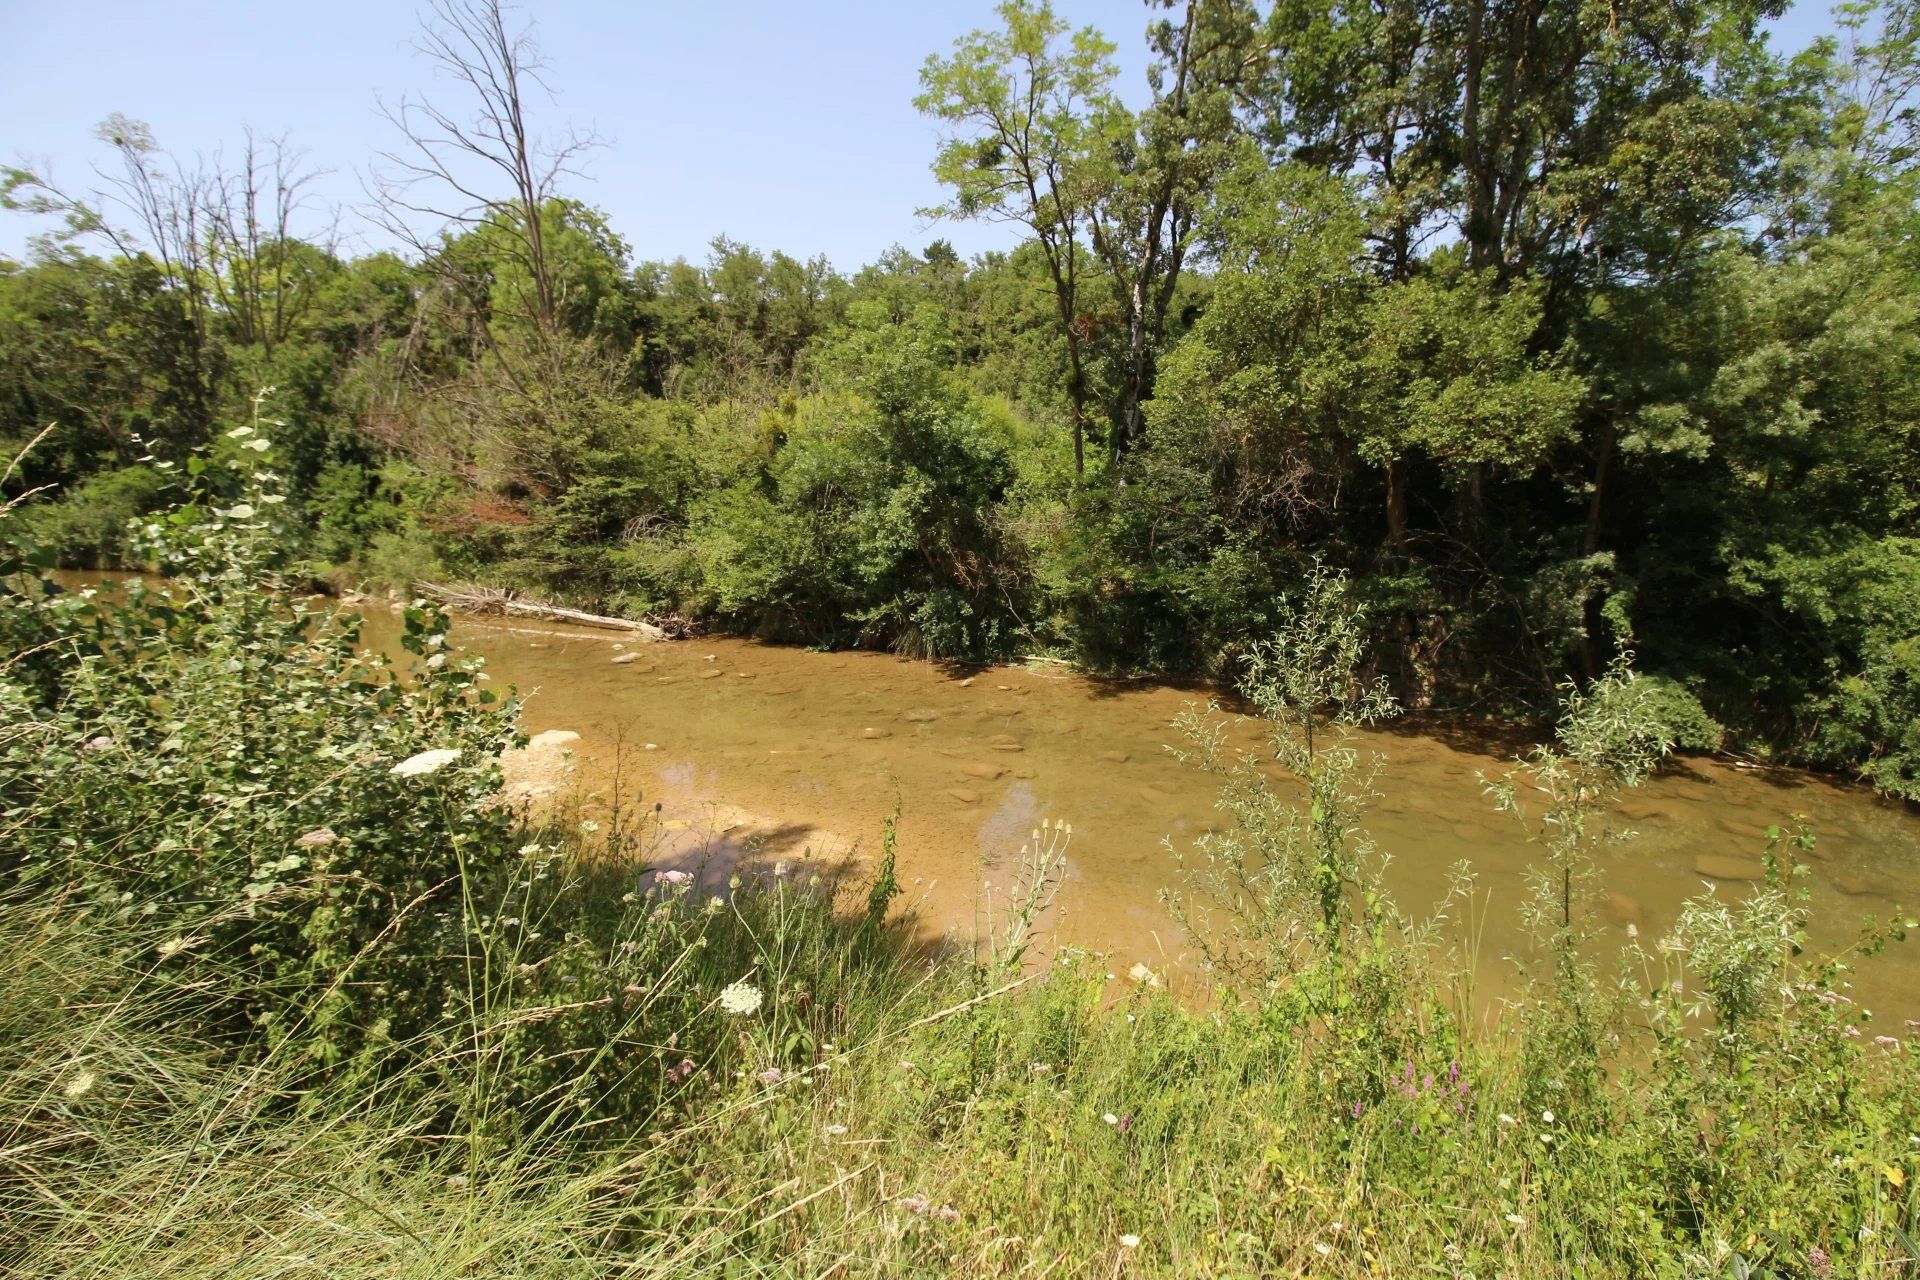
[784, 125]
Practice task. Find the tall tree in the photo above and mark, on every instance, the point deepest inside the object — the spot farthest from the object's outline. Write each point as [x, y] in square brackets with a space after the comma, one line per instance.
[1026, 106]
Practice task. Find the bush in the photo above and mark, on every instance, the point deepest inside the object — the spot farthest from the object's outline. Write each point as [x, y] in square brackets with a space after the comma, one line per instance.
[87, 529]
[1671, 707]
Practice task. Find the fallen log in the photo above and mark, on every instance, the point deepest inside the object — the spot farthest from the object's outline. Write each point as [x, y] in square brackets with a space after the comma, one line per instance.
[502, 602]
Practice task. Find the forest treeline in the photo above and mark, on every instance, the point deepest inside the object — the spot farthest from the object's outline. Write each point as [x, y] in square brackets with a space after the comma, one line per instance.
[1558, 328]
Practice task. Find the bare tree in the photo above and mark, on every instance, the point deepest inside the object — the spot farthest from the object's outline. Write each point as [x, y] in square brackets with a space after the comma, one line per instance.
[489, 168]
[153, 210]
[259, 267]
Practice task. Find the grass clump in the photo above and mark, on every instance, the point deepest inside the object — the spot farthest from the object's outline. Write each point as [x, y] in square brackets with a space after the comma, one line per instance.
[287, 990]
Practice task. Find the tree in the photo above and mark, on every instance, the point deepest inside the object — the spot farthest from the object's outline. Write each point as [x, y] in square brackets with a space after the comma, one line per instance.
[1026, 111]
[490, 169]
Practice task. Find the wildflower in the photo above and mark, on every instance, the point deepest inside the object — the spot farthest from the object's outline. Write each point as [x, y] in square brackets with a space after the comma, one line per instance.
[1040, 1069]
[100, 743]
[1546, 1139]
[318, 838]
[681, 1071]
[1323, 1249]
[1633, 930]
[1851, 1033]
[915, 1203]
[530, 850]
[947, 1213]
[1516, 1220]
[714, 904]
[1547, 1116]
[1887, 1042]
[1820, 1261]
[80, 1084]
[1507, 1119]
[770, 1076]
[780, 868]
[1111, 1118]
[905, 1065]
[835, 1130]
[426, 762]
[1126, 1123]
[174, 946]
[672, 877]
[741, 998]
[1129, 1241]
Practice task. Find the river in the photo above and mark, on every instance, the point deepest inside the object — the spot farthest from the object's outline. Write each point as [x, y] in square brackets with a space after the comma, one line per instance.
[800, 754]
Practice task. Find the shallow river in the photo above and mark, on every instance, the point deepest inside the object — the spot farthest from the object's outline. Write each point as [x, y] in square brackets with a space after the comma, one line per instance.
[804, 753]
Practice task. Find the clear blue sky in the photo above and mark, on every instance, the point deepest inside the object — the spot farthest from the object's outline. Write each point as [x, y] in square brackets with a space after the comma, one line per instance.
[783, 124]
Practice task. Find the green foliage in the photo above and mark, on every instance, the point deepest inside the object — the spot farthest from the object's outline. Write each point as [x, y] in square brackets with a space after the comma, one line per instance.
[87, 527]
[873, 521]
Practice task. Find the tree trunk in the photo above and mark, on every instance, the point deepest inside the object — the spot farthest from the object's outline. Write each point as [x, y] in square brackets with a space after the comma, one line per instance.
[1397, 504]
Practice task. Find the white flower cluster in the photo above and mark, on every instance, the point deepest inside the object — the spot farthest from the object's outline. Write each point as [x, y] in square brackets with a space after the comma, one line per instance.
[741, 999]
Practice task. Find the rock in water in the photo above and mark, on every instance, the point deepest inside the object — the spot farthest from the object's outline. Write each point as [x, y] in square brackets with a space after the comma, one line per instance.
[625, 658]
[552, 739]
[1622, 909]
[1715, 867]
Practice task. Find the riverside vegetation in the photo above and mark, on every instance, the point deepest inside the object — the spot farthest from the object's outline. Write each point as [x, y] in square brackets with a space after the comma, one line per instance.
[1558, 329]
[287, 990]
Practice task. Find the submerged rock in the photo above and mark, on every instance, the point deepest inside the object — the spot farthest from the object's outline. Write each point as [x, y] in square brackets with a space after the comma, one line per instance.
[552, 739]
[1622, 909]
[1715, 867]
[625, 658]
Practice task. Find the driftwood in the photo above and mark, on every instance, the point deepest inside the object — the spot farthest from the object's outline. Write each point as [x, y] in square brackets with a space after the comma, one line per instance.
[500, 602]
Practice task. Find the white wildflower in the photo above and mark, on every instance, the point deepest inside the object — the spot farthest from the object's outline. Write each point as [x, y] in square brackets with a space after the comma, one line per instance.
[1111, 1118]
[835, 1130]
[1516, 1220]
[1129, 1241]
[318, 838]
[426, 762]
[1547, 1116]
[740, 998]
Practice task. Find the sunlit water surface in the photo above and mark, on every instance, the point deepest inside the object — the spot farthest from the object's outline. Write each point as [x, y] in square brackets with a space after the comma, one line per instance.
[814, 748]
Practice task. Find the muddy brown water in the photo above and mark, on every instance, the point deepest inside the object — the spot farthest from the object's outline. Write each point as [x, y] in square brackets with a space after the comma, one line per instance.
[808, 751]
[794, 754]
